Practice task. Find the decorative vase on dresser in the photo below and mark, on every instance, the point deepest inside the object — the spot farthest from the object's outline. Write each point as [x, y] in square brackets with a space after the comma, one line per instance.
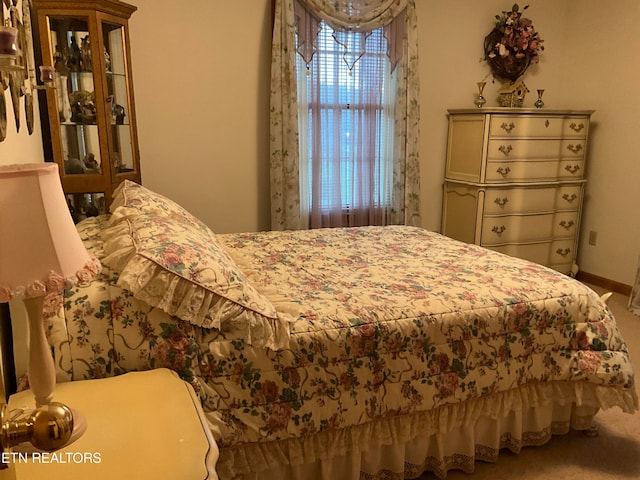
[514, 181]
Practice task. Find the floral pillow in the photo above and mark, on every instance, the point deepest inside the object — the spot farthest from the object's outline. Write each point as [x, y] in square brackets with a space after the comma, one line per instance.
[175, 266]
[140, 199]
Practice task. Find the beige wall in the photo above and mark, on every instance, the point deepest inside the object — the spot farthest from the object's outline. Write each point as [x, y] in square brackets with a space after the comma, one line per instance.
[606, 72]
[20, 147]
[201, 78]
[202, 86]
[206, 146]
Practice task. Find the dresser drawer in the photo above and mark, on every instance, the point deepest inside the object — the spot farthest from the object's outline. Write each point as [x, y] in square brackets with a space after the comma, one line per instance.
[524, 171]
[516, 228]
[528, 228]
[562, 251]
[520, 200]
[568, 197]
[575, 127]
[558, 255]
[565, 224]
[538, 126]
[534, 252]
[504, 201]
[506, 149]
[571, 169]
[526, 126]
[534, 171]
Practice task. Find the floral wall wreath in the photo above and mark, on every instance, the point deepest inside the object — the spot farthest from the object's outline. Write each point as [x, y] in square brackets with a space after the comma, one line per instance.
[513, 45]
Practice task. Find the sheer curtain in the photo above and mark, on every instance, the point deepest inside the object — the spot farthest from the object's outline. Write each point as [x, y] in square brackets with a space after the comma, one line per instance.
[346, 118]
[297, 199]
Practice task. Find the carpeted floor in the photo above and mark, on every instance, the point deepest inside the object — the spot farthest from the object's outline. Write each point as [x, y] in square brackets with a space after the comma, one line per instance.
[613, 454]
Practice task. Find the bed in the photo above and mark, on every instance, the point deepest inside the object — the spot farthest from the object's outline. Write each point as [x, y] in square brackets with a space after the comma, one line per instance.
[372, 352]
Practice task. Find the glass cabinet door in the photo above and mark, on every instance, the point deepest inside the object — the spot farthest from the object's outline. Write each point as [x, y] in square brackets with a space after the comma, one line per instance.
[83, 205]
[79, 135]
[113, 35]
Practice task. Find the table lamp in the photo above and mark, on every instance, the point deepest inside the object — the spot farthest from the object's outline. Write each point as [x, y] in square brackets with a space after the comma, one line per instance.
[41, 253]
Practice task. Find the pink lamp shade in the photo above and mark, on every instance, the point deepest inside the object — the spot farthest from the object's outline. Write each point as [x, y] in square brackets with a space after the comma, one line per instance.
[40, 249]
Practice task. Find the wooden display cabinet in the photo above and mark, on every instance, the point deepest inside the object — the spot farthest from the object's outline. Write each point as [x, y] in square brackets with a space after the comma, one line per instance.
[89, 123]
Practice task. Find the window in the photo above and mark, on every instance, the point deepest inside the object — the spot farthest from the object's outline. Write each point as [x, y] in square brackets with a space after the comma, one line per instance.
[346, 98]
[308, 146]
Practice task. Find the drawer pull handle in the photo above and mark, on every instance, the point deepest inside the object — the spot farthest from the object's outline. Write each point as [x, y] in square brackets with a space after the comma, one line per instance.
[501, 202]
[566, 225]
[574, 148]
[563, 251]
[569, 198]
[547, 123]
[503, 171]
[505, 149]
[576, 127]
[508, 127]
[499, 230]
[572, 168]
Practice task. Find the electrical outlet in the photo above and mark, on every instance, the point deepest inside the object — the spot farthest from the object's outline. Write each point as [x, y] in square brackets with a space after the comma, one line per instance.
[593, 237]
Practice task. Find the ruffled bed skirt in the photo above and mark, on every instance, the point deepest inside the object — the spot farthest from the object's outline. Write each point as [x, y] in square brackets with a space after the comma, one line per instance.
[453, 438]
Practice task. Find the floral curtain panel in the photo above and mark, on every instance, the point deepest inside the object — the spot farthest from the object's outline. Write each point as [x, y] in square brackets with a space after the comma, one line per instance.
[288, 208]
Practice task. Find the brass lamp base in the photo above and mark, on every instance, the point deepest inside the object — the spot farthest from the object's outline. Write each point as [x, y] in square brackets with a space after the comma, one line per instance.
[47, 428]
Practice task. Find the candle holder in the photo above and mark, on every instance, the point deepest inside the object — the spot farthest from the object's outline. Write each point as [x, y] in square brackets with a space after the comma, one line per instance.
[9, 48]
[480, 100]
[539, 103]
[47, 77]
[46, 74]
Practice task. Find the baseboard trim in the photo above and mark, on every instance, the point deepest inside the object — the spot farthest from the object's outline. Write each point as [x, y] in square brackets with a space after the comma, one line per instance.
[612, 285]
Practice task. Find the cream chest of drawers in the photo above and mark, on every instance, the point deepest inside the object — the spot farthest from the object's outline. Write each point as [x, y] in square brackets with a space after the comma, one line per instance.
[514, 181]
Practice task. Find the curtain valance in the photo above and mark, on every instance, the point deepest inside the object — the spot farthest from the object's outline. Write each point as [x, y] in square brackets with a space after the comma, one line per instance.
[358, 17]
[355, 15]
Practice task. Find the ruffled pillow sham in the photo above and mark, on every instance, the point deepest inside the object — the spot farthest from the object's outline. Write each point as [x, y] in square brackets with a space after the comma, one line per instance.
[139, 199]
[175, 266]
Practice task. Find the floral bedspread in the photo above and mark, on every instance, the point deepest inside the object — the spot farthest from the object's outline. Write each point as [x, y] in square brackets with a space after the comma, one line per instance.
[392, 323]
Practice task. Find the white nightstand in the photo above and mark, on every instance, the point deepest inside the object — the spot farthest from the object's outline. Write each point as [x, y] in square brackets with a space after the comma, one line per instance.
[140, 425]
